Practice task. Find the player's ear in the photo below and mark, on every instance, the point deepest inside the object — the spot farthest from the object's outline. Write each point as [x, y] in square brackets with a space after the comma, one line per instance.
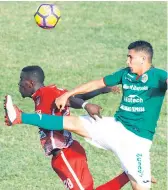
[143, 58]
[31, 84]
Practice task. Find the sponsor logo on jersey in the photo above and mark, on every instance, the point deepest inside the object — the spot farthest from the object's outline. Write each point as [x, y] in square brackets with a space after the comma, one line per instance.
[144, 78]
[132, 109]
[133, 99]
[134, 87]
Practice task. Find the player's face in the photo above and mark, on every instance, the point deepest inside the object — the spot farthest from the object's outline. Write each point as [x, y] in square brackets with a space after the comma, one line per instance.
[135, 61]
[25, 86]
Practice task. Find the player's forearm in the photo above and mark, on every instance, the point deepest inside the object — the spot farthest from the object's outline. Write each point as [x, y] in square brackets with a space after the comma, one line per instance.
[76, 102]
[94, 93]
[87, 87]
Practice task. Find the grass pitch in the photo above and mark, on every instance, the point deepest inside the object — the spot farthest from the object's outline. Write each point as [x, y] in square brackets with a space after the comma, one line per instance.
[89, 42]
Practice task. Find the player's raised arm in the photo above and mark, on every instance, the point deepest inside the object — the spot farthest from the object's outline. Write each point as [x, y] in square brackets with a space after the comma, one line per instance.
[89, 95]
[84, 88]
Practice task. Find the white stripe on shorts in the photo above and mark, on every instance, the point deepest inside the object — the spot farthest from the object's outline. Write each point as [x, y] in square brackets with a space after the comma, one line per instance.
[71, 171]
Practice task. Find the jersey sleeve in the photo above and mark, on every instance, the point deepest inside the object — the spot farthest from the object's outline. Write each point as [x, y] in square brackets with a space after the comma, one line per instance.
[45, 102]
[115, 78]
[163, 75]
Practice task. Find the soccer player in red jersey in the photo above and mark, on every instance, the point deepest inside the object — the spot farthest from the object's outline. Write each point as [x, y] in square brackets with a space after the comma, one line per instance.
[69, 159]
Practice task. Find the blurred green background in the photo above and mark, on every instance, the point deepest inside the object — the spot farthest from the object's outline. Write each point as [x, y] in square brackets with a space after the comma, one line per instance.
[89, 42]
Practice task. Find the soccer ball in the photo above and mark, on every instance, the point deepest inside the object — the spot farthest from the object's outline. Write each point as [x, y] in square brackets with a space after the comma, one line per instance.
[47, 16]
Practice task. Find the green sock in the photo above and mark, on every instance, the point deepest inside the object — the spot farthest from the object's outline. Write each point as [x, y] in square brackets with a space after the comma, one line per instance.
[49, 122]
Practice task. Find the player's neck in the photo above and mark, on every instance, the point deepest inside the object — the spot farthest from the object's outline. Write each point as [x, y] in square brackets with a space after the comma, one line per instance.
[144, 69]
[38, 86]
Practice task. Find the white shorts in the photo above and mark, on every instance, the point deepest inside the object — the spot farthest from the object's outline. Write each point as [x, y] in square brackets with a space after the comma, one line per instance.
[132, 150]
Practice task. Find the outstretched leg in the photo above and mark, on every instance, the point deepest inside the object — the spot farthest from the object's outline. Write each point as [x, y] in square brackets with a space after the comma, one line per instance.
[15, 116]
[70, 123]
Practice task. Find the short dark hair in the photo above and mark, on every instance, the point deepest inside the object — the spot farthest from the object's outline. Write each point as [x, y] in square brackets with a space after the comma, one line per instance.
[142, 46]
[35, 73]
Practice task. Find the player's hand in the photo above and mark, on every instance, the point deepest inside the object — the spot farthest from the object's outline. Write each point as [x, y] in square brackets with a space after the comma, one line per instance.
[93, 110]
[61, 101]
[115, 89]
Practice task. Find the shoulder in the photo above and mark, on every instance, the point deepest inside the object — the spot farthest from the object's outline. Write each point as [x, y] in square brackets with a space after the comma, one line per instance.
[53, 89]
[47, 90]
[122, 70]
[160, 73]
[126, 70]
[158, 70]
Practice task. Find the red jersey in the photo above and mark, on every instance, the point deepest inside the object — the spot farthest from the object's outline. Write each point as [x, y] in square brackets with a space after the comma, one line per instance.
[44, 103]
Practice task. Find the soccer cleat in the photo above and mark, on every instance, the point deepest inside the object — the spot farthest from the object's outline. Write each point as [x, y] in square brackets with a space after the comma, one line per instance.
[12, 112]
